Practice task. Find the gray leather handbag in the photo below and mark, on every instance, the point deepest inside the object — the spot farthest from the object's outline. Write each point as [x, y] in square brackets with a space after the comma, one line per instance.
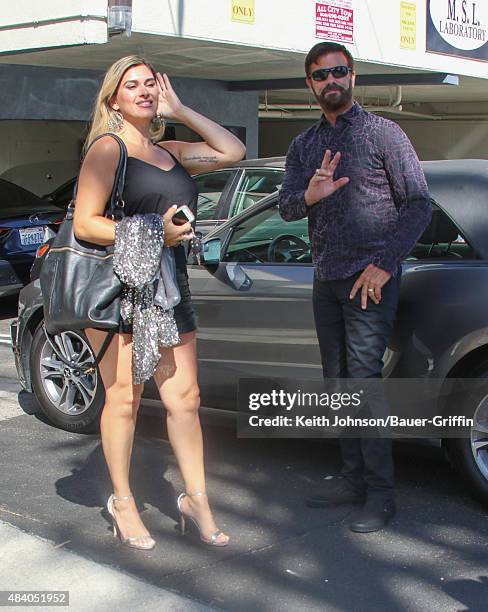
[78, 283]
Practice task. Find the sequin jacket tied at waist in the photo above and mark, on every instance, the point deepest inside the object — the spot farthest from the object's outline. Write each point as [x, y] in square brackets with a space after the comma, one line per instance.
[150, 292]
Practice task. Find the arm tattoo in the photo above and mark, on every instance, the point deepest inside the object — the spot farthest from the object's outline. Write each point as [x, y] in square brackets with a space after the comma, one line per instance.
[203, 160]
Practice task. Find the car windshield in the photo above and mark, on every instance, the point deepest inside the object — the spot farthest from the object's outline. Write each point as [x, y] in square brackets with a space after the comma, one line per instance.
[254, 239]
[16, 201]
[210, 187]
[63, 194]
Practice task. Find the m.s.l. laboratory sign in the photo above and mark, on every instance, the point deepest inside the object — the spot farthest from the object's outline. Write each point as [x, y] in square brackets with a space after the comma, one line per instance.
[458, 27]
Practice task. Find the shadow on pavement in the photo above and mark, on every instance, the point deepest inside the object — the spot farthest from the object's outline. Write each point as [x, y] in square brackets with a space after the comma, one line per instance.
[283, 556]
[471, 593]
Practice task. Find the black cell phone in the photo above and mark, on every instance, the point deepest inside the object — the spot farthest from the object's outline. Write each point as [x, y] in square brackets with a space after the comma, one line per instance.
[183, 215]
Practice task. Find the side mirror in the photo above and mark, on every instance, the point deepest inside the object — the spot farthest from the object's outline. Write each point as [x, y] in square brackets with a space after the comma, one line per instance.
[211, 251]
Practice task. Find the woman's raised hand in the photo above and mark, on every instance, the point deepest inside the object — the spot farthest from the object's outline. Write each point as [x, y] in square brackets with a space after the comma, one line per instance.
[169, 105]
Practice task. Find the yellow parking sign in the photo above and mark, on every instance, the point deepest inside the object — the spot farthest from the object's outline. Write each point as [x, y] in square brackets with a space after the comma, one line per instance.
[408, 25]
[242, 11]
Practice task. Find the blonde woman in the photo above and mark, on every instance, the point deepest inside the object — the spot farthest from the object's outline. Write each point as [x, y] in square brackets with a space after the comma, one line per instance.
[132, 101]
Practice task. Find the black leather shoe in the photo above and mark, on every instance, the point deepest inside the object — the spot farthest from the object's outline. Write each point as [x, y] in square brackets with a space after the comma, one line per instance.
[338, 492]
[373, 517]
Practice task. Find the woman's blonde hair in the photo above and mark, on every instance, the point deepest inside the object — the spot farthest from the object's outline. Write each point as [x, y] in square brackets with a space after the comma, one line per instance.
[103, 112]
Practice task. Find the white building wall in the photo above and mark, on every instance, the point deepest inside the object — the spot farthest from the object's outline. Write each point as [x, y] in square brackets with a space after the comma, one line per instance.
[37, 24]
[290, 25]
[278, 24]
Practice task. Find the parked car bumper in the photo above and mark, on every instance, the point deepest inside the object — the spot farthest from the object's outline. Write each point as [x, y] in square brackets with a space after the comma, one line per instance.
[23, 328]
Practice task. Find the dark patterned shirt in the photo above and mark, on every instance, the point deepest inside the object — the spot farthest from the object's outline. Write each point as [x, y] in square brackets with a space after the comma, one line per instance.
[379, 215]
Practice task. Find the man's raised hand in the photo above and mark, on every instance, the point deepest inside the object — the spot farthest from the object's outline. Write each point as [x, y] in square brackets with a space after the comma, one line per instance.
[322, 183]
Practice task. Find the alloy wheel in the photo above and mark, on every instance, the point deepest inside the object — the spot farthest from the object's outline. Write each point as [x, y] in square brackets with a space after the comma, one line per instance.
[69, 387]
[479, 436]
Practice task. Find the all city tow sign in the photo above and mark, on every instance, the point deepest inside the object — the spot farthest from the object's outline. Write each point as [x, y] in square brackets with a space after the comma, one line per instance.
[458, 27]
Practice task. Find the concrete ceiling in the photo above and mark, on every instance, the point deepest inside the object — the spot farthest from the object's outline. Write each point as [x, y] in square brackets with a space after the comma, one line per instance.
[177, 56]
[203, 59]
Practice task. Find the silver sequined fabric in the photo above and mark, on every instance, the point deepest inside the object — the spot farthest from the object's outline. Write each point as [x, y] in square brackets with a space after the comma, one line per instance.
[139, 243]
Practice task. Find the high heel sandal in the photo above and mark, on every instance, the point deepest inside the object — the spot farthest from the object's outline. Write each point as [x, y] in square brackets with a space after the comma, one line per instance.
[212, 540]
[146, 542]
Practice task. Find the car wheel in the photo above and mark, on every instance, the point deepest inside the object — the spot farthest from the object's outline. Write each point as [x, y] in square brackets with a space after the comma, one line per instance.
[469, 456]
[70, 397]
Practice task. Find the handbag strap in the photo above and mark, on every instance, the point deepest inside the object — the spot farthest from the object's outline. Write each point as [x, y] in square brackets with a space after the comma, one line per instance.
[115, 205]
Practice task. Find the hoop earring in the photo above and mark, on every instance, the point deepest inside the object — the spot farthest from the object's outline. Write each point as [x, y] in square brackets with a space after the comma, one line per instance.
[115, 121]
[158, 121]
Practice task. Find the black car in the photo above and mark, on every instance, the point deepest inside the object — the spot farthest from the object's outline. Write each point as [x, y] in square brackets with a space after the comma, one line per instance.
[252, 294]
[24, 218]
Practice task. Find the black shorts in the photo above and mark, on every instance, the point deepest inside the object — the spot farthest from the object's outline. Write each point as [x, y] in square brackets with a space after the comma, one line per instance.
[184, 313]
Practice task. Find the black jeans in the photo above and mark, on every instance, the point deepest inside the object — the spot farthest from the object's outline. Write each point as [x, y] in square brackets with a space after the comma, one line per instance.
[352, 343]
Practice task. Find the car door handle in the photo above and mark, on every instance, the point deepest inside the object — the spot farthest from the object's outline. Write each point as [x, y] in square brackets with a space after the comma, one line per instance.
[238, 277]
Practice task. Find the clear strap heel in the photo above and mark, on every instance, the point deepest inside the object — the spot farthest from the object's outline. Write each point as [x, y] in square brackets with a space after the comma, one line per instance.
[213, 539]
[143, 542]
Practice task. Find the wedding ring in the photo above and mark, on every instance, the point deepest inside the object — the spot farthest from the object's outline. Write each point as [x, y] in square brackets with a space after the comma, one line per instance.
[370, 290]
[317, 171]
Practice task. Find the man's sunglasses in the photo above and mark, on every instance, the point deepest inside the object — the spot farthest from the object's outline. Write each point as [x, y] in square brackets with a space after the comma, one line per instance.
[338, 72]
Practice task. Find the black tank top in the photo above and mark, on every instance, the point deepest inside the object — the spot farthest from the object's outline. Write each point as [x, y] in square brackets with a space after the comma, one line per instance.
[149, 189]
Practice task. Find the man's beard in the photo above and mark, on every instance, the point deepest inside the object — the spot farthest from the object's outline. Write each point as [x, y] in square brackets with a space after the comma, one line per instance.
[336, 101]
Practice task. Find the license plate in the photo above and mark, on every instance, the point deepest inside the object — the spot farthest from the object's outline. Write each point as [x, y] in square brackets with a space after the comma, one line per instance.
[32, 235]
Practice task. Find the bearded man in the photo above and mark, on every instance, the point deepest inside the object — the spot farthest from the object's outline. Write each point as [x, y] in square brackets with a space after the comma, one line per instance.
[357, 178]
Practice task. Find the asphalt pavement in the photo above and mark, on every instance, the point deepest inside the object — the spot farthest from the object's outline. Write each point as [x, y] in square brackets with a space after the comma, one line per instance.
[54, 531]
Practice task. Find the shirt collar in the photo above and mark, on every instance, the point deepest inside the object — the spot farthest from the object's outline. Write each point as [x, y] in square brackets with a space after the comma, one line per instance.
[349, 116]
